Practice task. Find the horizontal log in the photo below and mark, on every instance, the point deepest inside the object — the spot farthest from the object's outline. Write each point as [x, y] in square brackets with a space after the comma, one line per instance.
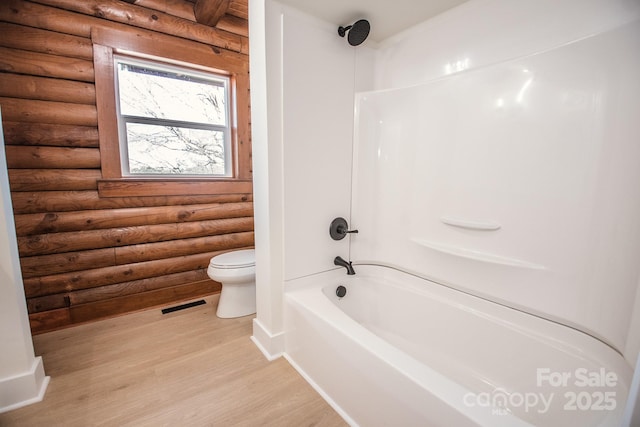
[118, 11]
[30, 111]
[46, 303]
[233, 24]
[53, 179]
[49, 18]
[17, 133]
[65, 201]
[137, 286]
[47, 89]
[45, 265]
[181, 8]
[67, 282]
[49, 320]
[160, 250]
[37, 40]
[44, 244]
[52, 222]
[43, 64]
[129, 303]
[30, 157]
[154, 187]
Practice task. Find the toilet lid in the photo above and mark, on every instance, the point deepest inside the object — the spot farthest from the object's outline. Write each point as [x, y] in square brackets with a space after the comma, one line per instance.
[235, 259]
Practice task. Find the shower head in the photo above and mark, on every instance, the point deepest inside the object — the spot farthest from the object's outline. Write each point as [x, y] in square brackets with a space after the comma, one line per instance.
[358, 32]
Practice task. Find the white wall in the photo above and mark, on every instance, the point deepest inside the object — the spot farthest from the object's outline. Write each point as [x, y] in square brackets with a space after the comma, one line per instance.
[302, 89]
[22, 379]
[266, 99]
[318, 91]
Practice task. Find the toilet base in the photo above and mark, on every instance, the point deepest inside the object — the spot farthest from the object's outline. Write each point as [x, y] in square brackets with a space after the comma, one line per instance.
[237, 300]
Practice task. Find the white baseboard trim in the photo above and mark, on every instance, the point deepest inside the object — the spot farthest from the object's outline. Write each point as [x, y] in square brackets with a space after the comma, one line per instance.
[25, 389]
[321, 392]
[271, 345]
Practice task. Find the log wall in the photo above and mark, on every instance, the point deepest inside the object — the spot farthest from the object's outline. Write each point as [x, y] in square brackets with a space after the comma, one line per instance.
[87, 254]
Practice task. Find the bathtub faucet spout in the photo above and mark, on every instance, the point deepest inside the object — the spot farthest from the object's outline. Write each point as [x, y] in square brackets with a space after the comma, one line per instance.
[342, 263]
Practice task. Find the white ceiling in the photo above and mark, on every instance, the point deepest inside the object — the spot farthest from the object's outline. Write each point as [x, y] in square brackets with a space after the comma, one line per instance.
[387, 17]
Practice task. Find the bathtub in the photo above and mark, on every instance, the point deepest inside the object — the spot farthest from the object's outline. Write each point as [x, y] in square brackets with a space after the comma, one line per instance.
[398, 349]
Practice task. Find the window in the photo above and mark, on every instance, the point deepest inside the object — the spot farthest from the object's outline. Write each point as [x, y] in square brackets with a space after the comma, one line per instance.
[172, 121]
[220, 163]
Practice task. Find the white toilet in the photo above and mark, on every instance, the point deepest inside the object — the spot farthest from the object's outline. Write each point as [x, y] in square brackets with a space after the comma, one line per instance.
[236, 271]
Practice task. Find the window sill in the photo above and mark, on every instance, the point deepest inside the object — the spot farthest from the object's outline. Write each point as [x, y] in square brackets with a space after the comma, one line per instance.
[138, 187]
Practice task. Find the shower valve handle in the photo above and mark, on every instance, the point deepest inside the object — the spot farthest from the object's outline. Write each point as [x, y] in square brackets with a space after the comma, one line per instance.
[339, 229]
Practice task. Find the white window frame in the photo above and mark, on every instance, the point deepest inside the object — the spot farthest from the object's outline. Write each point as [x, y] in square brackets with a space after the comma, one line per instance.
[218, 79]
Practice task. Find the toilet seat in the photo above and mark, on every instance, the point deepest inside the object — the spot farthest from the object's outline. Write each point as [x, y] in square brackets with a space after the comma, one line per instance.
[235, 259]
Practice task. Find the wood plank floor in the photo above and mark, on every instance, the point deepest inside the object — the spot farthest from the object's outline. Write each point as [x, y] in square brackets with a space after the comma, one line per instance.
[186, 368]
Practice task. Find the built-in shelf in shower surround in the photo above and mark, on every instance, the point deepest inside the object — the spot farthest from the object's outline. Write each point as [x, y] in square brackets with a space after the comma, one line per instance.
[471, 225]
[477, 255]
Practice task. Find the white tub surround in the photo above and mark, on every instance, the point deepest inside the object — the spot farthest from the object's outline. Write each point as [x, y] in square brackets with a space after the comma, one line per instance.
[22, 377]
[400, 350]
[518, 181]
